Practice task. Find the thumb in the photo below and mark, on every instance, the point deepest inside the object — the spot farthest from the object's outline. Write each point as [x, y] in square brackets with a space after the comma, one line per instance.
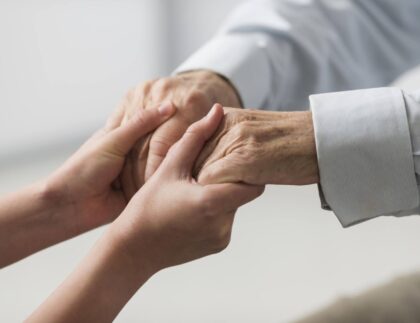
[120, 140]
[184, 153]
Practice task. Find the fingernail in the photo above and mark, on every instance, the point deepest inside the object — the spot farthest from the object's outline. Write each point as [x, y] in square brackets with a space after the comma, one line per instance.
[166, 108]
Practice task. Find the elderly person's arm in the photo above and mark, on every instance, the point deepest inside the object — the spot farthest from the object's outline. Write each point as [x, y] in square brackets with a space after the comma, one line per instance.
[361, 146]
[272, 55]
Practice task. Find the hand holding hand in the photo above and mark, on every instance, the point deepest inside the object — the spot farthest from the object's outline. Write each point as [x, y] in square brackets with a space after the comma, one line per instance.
[173, 219]
[86, 185]
[193, 94]
[260, 147]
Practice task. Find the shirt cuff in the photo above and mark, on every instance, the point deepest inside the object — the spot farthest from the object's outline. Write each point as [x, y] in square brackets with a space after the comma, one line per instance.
[364, 153]
[242, 60]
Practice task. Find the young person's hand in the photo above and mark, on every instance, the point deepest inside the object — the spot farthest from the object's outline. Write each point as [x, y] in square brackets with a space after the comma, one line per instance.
[81, 195]
[87, 186]
[173, 218]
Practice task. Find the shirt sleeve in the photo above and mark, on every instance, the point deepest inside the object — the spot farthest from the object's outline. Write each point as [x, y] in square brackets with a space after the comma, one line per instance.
[276, 53]
[368, 147]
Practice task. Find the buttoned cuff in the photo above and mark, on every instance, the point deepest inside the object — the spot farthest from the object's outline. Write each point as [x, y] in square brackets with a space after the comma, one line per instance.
[364, 153]
[242, 60]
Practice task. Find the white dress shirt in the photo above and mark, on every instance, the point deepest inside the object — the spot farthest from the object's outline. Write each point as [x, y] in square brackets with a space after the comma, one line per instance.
[277, 53]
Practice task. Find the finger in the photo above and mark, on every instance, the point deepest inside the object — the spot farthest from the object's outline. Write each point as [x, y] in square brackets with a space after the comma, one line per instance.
[211, 149]
[141, 152]
[160, 145]
[123, 138]
[115, 119]
[186, 150]
[127, 179]
[230, 196]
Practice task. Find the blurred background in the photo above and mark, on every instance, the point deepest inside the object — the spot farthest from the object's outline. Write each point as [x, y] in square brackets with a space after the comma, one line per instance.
[64, 66]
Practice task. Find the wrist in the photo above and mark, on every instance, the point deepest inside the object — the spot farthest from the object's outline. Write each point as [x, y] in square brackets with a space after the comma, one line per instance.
[34, 224]
[98, 288]
[57, 197]
[309, 147]
[135, 246]
[130, 254]
[297, 144]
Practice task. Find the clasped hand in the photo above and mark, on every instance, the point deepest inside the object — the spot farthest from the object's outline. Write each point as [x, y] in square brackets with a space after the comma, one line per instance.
[175, 217]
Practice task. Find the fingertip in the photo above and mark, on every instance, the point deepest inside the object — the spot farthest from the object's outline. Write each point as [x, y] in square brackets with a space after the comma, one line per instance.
[166, 109]
[216, 112]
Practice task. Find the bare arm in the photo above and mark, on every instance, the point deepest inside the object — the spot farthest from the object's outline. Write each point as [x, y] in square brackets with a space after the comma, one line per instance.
[170, 221]
[79, 196]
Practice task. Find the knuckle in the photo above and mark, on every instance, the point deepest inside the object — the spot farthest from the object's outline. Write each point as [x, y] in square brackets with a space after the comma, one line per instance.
[159, 146]
[234, 115]
[163, 85]
[140, 119]
[197, 97]
[130, 94]
[239, 130]
[146, 86]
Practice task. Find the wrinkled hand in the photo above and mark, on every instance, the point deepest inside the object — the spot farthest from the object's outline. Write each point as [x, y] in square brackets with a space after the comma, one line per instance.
[260, 147]
[173, 219]
[86, 185]
[193, 94]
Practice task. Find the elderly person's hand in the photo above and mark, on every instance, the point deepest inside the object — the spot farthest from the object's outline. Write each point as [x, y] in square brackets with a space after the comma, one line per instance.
[171, 220]
[260, 147]
[176, 218]
[193, 94]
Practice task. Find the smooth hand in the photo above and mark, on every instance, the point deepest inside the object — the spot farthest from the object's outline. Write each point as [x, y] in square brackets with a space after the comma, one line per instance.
[193, 94]
[86, 187]
[260, 147]
[173, 219]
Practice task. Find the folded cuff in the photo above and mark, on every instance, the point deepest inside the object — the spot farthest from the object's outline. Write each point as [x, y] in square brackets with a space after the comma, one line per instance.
[364, 153]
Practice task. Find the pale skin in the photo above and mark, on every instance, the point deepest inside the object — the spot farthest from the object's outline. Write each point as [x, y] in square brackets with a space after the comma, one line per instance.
[250, 146]
[261, 147]
[170, 221]
[97, 183]
[79, 196]
[193, 94]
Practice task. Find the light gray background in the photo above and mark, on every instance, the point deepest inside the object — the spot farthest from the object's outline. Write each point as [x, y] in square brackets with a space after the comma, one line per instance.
[64, 65]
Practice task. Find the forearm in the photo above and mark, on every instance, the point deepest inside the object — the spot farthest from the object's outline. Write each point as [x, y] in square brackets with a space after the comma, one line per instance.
[33, 219]
[99, 287]
[278, 53]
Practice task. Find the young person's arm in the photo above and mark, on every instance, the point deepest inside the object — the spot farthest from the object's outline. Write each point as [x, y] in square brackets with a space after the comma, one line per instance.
[81, 195]
[170, 221]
